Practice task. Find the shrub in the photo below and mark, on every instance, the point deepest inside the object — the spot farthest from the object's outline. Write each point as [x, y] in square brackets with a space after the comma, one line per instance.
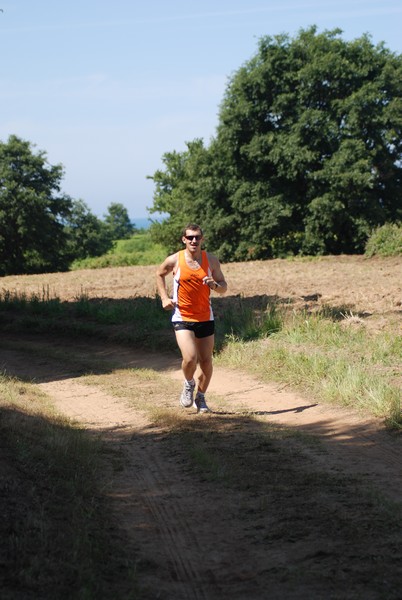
[137, 250]
[385, 241]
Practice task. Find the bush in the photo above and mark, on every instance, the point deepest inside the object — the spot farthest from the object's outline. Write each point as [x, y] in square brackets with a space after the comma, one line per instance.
[137, 250]
[385, 241]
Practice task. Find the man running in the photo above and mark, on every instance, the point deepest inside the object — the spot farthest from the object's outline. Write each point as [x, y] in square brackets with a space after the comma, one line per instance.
[195, 274]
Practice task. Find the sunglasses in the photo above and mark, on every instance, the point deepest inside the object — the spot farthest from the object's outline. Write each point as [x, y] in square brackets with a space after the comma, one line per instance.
[193, 237]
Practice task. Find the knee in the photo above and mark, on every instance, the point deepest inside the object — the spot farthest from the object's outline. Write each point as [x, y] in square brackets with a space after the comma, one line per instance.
[190, 361]
[205, 363]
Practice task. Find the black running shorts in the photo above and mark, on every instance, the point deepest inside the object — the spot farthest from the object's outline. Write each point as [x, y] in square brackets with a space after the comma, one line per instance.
[201, 328]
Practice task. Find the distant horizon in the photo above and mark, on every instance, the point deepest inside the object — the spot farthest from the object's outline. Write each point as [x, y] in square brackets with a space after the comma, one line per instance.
[140, 222]
[145, 222]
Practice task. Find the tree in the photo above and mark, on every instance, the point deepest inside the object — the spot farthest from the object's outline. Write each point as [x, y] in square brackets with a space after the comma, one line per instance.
[118, 222]
[32, 236]
[86, 234]
[308, 152]
[177, 191]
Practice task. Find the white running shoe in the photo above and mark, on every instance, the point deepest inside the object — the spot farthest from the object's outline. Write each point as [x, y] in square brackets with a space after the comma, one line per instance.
[187, 395]
[201, 404]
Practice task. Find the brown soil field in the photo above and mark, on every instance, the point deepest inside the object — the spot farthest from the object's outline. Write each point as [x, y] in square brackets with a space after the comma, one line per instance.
[313, 513]
[369, 288]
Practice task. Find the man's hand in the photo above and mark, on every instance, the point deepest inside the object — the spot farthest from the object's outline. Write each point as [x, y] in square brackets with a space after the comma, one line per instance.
[210, 282]
[168, 304]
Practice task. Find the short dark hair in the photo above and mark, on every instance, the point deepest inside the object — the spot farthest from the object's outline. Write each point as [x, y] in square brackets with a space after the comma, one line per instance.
[192, 227]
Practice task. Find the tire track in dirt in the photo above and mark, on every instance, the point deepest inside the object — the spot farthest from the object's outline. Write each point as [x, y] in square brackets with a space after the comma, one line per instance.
[143, 493]
[177, 536]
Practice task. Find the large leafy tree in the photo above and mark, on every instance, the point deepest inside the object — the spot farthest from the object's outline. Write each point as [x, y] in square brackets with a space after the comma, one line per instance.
[32, 236]
[307, 156]
[118, 221]
[86, 234]
[42, 229]
[178, 191]
[192, 188]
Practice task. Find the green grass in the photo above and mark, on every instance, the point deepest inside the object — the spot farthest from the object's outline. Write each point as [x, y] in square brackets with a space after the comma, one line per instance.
[138, 250]
[332, 362]
[132, 320]
[239, 321]
[55, 525]
[42, 303]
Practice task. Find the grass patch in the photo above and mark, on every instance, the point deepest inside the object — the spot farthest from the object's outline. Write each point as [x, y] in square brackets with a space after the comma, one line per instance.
[137, 250]
[241, 321]
[130, 320]
[331, 362]
[56, 531]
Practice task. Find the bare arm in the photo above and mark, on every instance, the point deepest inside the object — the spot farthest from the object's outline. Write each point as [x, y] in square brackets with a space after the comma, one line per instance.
[163, 270]
[217, 282]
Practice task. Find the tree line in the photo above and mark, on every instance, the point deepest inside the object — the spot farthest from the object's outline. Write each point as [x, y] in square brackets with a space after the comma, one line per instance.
[307, 159]
[41, 229]
[307, 153]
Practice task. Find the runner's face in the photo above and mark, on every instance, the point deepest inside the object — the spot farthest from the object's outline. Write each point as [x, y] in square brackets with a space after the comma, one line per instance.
[192, 239]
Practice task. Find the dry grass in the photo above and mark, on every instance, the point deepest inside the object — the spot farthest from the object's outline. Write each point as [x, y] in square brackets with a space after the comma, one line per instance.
[55, 523]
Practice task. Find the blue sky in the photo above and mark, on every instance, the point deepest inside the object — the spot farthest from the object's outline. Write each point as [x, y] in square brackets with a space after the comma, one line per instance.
[106, 88]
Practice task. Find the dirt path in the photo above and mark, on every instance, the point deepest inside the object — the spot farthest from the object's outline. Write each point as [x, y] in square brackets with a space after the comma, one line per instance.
[192, 541]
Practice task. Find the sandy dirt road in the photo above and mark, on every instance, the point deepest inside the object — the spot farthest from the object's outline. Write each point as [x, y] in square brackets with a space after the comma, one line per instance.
[194, 538]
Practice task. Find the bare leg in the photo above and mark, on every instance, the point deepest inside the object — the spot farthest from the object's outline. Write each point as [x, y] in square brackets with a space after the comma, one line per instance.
[186, 341]
[205, 348]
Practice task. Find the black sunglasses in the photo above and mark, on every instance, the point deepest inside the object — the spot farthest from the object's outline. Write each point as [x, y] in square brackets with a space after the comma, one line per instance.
[193, 237]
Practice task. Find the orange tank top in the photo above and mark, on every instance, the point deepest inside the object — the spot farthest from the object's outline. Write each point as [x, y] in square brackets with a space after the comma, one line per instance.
[191, 295]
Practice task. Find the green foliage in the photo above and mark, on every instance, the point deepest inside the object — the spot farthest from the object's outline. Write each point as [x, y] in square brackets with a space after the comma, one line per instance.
[179, 190]
[307, 156]
[385, 241]
[118, 222]
[32, 237]
[137, 250]
[86, 234]
[42, 230]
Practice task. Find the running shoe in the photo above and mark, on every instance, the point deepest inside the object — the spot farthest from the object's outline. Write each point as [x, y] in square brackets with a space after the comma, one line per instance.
[201, 404]
[187, 395]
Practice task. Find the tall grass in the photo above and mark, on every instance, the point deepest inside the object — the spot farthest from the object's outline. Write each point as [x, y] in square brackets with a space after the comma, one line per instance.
[328, 360]
[240, 321]
[55, 526]
[37, 303]
[133, 320]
